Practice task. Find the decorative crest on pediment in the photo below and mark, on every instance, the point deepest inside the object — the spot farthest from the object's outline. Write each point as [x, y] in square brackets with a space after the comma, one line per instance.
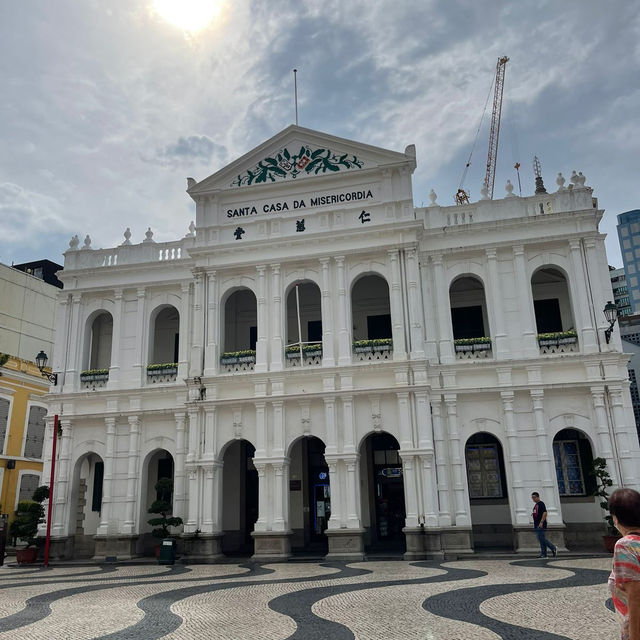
[307, 161]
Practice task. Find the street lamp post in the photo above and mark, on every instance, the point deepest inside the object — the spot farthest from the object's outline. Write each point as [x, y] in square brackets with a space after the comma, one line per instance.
[611, 314]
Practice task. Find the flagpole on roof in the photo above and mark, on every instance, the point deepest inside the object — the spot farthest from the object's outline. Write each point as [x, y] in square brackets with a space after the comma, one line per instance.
[295, 92]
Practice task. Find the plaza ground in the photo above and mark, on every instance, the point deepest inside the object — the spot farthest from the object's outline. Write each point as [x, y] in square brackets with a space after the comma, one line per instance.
[482, 599]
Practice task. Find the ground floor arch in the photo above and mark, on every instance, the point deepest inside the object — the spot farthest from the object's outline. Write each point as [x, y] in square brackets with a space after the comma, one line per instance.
[383, 501]
[239, 498]
[309, 495]
[86, 503]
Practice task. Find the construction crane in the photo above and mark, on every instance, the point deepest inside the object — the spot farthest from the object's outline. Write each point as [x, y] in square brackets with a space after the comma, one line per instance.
[462, 197]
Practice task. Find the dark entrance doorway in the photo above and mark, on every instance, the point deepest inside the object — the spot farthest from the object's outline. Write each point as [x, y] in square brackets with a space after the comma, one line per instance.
[386, 493]
[240, 501]
[309, 496]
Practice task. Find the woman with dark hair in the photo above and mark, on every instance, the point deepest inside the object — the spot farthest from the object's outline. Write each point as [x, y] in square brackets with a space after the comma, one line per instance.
[624, 582]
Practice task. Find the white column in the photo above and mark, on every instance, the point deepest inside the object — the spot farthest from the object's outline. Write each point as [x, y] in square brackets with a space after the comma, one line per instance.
[404, 420]
[348, 426]
[442, 465]
[107, 482]
[528, 329]
[519, 497]
[216, 513]
[116, 347]
[141, 337]
[262, 523]
[500, 345]
[179, 472]
[410, 490]
[281, 494]
[211, 354]
[428, 302]
[185, 324]
[460, 488]
[623, 433]
[191, 524]
[328, 357]
[604, 435]
[261, 344]
[60, 525]
[580, 306]
[429, 490]
[277, 319]
[423, 420]
[195, 363]
[194, 436]
[129, 525]
[261, 430]
[336, 487]
[207, 498]
[414, 298]
[397, 310]
[278, 428]
[330, 423]
[545, 457]
[209, 442]
[76, 343]
[344, 342]
[353, 491]
[445, 331]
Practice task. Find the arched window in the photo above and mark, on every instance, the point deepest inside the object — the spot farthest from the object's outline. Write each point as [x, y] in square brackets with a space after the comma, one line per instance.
[551, 301]
[573, 460]
[165, 337]
[468, 309]
[370, 309]
[240, 321]
[100, 346]
[304, 324]
[485, 467]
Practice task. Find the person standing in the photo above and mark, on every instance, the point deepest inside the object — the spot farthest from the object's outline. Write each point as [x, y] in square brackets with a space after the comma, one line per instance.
[540, 526]
[624, 582]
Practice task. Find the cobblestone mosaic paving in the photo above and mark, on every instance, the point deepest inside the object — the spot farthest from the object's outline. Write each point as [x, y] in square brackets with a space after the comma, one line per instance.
[480, 599]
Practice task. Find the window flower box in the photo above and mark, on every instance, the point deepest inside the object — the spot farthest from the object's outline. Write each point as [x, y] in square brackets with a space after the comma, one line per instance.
[238, 357]
[166, 369]
[369, 346]
[308, 350]
[94, 375]
[557, 338]
[462, 345]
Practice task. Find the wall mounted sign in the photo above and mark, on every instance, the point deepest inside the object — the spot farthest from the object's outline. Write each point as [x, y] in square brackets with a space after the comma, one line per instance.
[392, 472]
[286, 164]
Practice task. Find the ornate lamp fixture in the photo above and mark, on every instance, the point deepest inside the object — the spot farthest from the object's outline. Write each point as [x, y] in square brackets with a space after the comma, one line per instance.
[41, 361]
[611, 314]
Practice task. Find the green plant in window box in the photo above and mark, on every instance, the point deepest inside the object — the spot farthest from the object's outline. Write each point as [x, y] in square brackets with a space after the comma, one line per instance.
[94, 374]
[293, 351]
[557, 337]
[233, 357]
[377, 344]
[162, 369]
[472, 344]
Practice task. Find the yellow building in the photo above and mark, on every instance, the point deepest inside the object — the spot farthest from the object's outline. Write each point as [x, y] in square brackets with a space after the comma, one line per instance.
[27, 314]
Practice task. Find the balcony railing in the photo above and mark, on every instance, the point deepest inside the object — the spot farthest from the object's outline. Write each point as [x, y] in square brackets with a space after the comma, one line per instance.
[473, 348]
[558, 342]
[158, 373]
[311, 355]
[232, 361]
[94, 378]
[370, 350]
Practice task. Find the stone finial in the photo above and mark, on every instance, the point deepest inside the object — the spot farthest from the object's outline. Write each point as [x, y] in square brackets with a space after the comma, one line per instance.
[191, 183]
[509, 189]
[484, 192]
[87, 242]
[127, 236]
[433, 196]
[148, 235]
[192, 230]
[560, 182]
[581, 179]
[73, 243]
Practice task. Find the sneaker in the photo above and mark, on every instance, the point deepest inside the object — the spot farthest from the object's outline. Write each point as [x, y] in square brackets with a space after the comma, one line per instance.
[541, 557]
[554, 553]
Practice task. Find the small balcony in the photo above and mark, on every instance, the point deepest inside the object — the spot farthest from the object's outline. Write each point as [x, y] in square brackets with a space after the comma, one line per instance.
[159, 373]
[234, 361]
[473, 348]
[311, 355]
[94, 378]
[558, 342]
[370, 350]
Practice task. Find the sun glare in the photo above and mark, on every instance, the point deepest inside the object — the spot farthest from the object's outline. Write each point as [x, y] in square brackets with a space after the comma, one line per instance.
[189, 15]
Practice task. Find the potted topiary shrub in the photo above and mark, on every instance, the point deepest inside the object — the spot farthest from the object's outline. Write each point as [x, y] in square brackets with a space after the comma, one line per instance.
[162, 506]
[25, 524]
[604, 482]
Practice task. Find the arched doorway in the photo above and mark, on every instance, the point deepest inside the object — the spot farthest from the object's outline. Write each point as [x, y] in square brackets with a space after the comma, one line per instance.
[240, 498]
[86, 503]
[488, 497]
[383, 507]
[309, 495]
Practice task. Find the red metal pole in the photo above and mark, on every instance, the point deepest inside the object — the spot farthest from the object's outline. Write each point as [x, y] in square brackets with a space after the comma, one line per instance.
[50, 508]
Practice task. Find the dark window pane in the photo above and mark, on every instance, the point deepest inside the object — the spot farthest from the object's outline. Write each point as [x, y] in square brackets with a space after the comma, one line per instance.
[98, 475]
[253, 337]
[379, 327]
[467, 322]
[548, 318]
[314, 331]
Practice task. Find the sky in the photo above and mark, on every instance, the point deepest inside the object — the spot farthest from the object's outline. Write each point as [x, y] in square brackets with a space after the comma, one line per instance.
[107, 106]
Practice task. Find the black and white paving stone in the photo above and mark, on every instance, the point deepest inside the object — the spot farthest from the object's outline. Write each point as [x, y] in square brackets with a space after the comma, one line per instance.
[480, 599]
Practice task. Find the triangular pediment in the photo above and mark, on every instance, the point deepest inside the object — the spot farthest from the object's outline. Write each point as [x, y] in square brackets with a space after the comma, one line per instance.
[297, 154]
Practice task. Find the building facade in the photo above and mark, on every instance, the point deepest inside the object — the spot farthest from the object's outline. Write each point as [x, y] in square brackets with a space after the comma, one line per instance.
[27, 315]
[321, 366]
[629, 237]
[621, 296]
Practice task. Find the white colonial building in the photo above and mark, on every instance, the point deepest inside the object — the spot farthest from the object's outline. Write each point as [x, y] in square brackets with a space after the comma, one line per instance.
[321, 366]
